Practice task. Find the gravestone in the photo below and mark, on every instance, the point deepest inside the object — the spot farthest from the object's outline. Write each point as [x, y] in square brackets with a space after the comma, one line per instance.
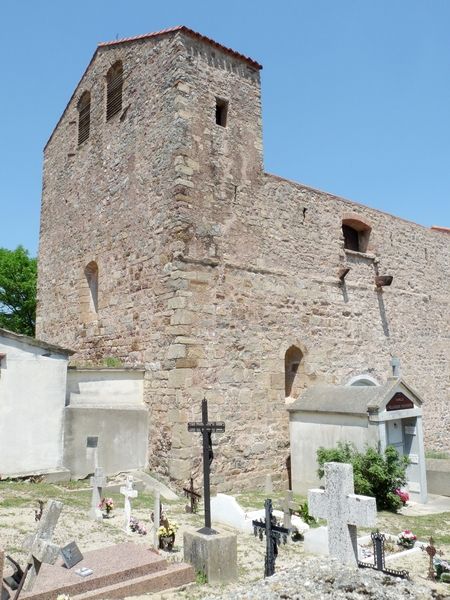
[39, 545]
[288, 506]
[97, 483]
[193, 496]
[344, 511]
[128, 492]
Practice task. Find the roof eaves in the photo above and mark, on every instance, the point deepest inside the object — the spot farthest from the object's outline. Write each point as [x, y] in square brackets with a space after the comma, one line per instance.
[26, 339]
[188, 31]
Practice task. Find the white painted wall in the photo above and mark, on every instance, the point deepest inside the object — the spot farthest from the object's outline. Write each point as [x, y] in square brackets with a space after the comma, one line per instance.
[108, 404]
[105, 387]
[32, 393]
[309, 431]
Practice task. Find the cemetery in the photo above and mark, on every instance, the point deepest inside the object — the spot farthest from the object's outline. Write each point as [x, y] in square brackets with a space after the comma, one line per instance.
[122, 480]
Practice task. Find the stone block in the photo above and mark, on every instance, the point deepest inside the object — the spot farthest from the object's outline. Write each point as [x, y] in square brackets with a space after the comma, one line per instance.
[315, 541]
[213, 555]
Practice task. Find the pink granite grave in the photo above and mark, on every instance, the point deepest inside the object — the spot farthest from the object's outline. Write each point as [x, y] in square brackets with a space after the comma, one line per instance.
[118, 571]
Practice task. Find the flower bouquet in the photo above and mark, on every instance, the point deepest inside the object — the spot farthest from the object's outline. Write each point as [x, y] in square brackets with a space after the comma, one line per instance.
[137, 527]
[107, 506]
[404, 496]
[166, 535]
[406, 539]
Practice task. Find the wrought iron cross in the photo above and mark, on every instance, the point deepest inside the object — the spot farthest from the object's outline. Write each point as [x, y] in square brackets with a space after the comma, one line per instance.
[193, 496]
[275, 534]
[431, 550]
[206, 429]
[378, 540]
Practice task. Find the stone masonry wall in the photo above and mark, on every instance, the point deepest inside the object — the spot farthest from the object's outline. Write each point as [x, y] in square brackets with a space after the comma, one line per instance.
[211, 269]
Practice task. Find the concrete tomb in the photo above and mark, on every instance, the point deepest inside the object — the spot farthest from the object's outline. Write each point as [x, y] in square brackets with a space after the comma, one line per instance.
[98, 482]
[344, 511]
[376, 415]
[118, 571]
[128, 492]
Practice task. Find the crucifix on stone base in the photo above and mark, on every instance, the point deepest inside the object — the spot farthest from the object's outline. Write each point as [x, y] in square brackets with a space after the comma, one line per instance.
[39, 545]
[344, 511]
[97, 483]
[206, 429]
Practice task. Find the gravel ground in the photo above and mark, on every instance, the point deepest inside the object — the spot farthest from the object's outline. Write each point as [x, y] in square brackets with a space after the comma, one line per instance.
[298, 576]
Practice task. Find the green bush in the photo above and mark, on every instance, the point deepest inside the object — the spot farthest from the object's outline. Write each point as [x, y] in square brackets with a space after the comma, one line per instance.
[375, 474]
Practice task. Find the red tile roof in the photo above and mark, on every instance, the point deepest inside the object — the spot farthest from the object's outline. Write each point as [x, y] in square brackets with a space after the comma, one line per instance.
[187, 31]
[442, 229]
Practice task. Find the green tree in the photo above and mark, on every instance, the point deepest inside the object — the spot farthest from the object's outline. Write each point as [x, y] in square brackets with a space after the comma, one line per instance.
[18, 276]
[375, 474]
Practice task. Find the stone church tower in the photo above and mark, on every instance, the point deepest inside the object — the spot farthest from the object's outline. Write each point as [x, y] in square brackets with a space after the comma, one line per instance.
[164, 243]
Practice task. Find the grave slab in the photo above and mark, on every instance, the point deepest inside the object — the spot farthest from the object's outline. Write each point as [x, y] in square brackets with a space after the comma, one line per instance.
[118, 571]
[227, 510]
[214, 555]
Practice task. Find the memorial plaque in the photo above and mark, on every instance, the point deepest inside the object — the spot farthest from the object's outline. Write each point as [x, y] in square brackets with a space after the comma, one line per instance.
[414, 458]
[399, 402]
[92, 441]
[71, 555]
[410, 430]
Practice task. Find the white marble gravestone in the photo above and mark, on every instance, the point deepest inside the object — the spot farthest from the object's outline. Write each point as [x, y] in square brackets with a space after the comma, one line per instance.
[344, 511]
[97, 483]
[39, 544]
[128, 492]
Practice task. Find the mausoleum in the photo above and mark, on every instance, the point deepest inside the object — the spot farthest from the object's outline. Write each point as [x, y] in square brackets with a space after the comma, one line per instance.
[376, 415]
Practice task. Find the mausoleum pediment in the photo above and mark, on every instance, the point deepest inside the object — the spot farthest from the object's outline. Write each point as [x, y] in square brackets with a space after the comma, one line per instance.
[395, 394]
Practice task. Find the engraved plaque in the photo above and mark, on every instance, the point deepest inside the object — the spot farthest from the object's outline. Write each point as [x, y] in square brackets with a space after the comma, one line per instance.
[410, 430]
[71, 555]
[414, 458]
[92, 442]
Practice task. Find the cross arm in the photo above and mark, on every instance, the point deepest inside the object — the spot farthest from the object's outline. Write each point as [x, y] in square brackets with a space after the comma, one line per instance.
[362, 510]
[214, 426]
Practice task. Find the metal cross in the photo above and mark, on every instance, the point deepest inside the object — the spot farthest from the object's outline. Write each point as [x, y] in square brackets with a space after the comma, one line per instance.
[206, 429]
[275, 534]
[431, 550]
[378, 540]
[193, 496]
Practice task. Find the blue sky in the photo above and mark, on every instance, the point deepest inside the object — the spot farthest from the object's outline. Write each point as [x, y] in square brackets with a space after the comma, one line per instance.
[356, 93]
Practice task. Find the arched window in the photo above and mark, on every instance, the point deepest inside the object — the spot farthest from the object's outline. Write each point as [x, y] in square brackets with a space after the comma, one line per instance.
[114, 83]
[356, 234]
[84, 117]
[293, 363]
[362, 381]
[91, 273]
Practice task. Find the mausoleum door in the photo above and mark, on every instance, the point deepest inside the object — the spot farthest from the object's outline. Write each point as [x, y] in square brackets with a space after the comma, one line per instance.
[395, 435]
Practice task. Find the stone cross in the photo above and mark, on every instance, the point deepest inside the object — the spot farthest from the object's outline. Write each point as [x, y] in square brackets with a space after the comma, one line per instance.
[288, 506]
[97, 483]
[156, 519]
[206, 429]
[128, 493]
[39, 544]
[344, 511]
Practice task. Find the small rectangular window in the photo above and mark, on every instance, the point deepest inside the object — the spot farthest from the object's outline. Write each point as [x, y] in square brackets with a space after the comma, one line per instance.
[221, 112]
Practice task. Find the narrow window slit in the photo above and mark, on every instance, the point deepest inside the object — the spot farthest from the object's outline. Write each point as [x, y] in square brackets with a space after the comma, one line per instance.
[221, 112]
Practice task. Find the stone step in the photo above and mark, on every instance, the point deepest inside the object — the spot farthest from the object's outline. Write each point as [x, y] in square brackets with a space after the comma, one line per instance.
[174, 576]
[115, 566]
